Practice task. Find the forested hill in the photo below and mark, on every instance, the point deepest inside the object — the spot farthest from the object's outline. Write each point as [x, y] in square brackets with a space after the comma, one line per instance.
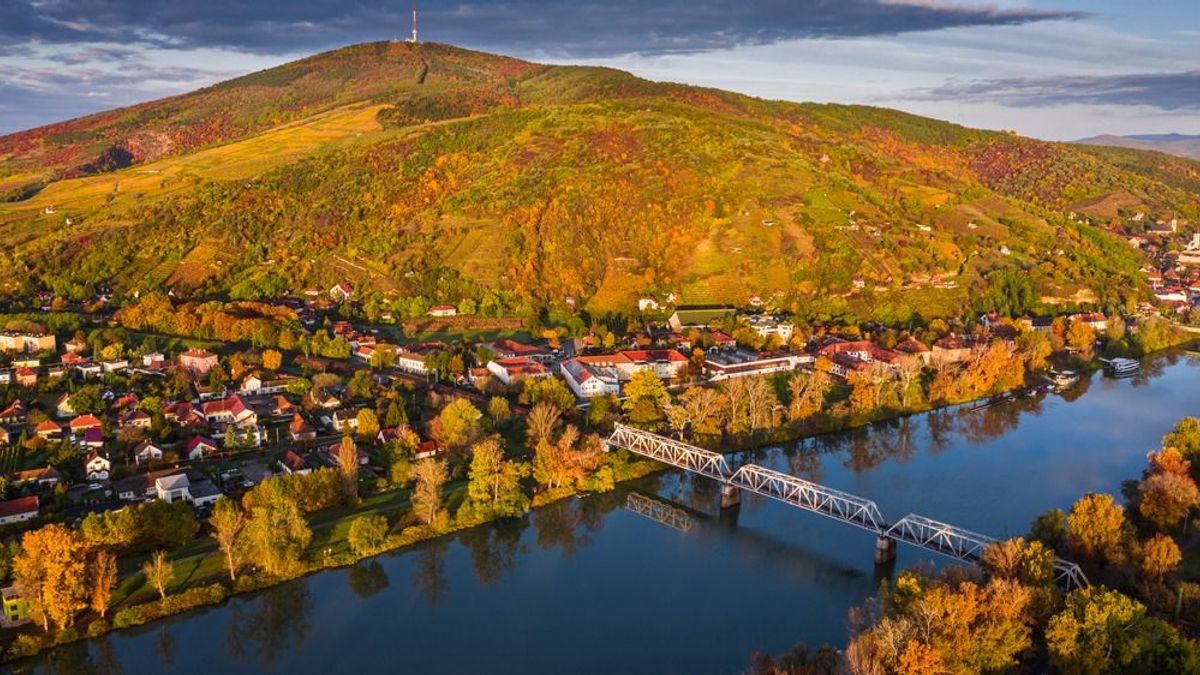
[426, 173]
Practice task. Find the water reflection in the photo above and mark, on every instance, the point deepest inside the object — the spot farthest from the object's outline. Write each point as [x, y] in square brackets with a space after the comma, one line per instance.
[367, 578]
[429, 577]
[279, 621]
[494, 549]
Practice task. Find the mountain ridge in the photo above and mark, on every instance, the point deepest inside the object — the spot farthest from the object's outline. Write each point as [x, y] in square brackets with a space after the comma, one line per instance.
[428, 173]
[1180, 145]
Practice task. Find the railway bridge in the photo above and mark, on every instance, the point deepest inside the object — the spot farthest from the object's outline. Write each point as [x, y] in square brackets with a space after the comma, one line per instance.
[919, 531]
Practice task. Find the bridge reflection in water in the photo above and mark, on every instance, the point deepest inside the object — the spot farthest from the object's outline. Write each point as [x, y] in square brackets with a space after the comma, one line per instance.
[926, 533]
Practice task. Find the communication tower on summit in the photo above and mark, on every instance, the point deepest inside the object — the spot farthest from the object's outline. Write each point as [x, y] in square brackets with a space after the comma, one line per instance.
[413, 39]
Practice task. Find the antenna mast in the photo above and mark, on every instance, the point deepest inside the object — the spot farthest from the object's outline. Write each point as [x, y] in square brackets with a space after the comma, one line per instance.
[413, 39]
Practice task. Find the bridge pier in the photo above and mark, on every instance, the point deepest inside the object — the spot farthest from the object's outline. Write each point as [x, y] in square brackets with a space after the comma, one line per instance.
[731, 496]
[885, 550]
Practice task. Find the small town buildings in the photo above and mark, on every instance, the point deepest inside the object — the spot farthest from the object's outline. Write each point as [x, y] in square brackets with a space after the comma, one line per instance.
[589, 380]
[952, 349]
[232, 410]
[443, 310]
[1096, 320]
[48, 430]
[300, 429]
[92, 437]
[96, 466]
[198, 361]
[29, 343]
[427, 449]
[769, 326]
[685, 318]
[63, 408]
[410, 358]
[510, 370]
[44, 477]
[848, 356]
[147, 451]
[331, 454]
[183, 414]
[114, 366]
[18, 510]
[137, 419]
[84, 422]
[282, 407]
[25, 377]
[88, 371]
[76, 345]
[200, 447]
[172, 488]
[15, 413]
[511, 349]
[345, 420]
[341, 292]
[260, 384]
[292, 463]
[725, 363]
[16, 608]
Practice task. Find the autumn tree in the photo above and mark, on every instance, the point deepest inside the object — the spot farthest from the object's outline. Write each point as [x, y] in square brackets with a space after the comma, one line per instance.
[1158, 556]
[645, 398]
[704, 409]
[494, 490]
[276, 533]
[397, 415]
[431, 475]
[102, 580]
[159, 571]
[1096, 526]
[272, 359]
[1081, 338]
[499, 411]
[367, 424]
[541, 421]
[50, 574]
[368, 534]
[1104, 631]
[807, 391]
[1167, 498]
[228, 522]
[458, 424]
[347, 458]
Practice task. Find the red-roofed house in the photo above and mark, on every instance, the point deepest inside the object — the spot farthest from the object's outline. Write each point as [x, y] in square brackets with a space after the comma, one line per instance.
[198, 361]
[48, 430]
[443, 310]
[26, 377]
[200, 447]
[232, 410]
[83, 423]
[18, 510]
[512, 369]
[290, 462]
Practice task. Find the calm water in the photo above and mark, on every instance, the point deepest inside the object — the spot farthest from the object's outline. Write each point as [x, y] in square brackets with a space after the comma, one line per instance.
[587, 586]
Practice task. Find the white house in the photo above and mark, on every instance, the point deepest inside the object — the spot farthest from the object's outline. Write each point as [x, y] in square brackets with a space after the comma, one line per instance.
[97, 466]
[172, 488]
[146, 451]
[588, 380]
[510, 370]
[18, 510]
[443, 310]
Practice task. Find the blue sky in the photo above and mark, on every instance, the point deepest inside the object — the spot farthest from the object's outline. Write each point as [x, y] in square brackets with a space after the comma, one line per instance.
[1058, 69]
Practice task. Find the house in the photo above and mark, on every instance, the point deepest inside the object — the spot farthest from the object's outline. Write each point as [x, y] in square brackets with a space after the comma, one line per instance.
[200, 447]
[952, 349]
[139, 419]
[282, 407]
[427, 449]
[850, 355]
[83, 423]
[912, 348]
[76, 345]
[183, 414]
[56, 372]
[292, 463]
[198, 361]
[48, 430]
[15, 413]
[698, 317]
[589, 380]
[27, 362]
[1096, 320]
[93, 437]
[410, 358]
[647, 304]
[154, 361]
[723, 363]
[259, 384]
[30, 343]
[115, 366]
[232, 410]
[63, 408]
[172, 488]
[46, 476]
[202, 493]
[18, 510]
[26, 377]
[443, 310]
[146, 452]
[96, 466]
[767, 326]
[301, 430]
[345, 420]
[511, 349]
[6, 377]
[341, 292]
[16, 608]
[88, 371]
[512, 369]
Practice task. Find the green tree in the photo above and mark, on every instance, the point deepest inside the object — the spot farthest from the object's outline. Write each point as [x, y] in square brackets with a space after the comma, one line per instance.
[361, 385]
[276, 534]
[396, 415]
[368, 534]
[494, 490]
[458, 424]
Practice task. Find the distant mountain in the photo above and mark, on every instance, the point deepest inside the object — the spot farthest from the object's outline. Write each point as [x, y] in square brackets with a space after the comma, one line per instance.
[426, 173]
[1182, 145]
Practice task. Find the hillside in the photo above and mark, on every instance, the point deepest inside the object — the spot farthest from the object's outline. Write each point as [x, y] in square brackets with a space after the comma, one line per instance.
[430, 173]
[1181, 145]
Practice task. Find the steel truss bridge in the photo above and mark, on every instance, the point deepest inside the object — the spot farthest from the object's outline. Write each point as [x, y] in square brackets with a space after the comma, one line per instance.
[926, 533]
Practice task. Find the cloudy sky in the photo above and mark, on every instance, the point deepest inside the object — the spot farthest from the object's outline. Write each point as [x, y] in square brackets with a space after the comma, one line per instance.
[1058, 69]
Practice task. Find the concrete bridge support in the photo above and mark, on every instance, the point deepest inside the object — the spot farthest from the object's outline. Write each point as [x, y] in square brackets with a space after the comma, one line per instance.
[885, 550]
[731, 496]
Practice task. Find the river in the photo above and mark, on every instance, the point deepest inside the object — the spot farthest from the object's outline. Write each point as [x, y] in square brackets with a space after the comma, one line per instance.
[588, 586]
